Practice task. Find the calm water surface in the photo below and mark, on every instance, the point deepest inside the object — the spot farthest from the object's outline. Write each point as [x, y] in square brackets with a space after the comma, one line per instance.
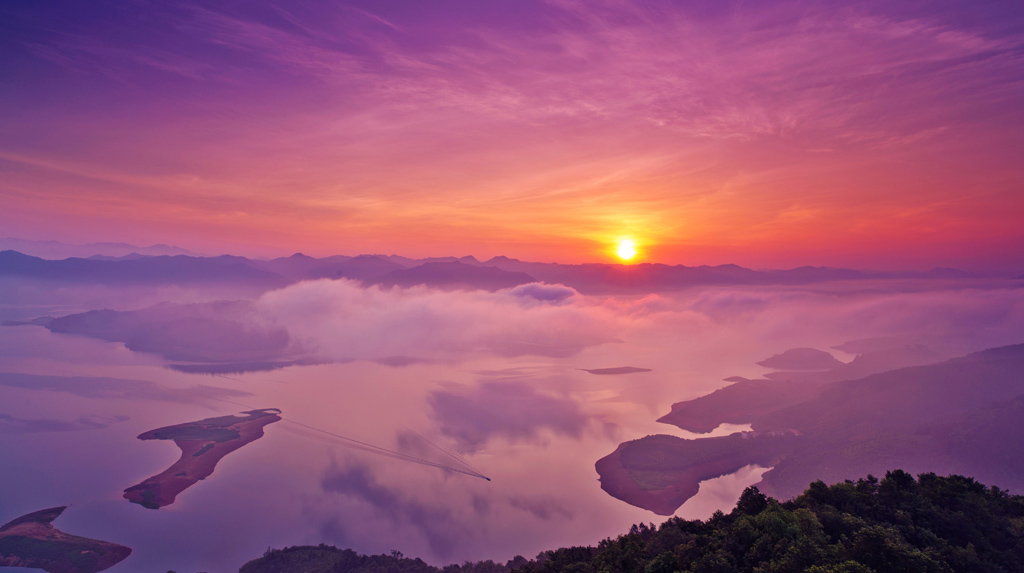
[534, 426]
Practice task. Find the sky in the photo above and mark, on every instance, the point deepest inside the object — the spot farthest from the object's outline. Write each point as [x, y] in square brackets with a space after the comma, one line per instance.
[768, 134]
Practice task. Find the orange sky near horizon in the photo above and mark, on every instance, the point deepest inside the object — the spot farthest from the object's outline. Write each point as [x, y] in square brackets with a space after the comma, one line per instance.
[770, 136]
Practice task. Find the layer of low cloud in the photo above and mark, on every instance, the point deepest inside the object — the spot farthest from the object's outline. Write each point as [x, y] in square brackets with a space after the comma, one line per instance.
[956, 319]
[342, 320]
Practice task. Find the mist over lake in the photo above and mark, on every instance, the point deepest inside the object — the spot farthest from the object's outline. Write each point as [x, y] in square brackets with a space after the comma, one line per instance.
[498, 379]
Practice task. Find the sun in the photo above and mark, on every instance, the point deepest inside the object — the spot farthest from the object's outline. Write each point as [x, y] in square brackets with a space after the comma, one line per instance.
[626, 249]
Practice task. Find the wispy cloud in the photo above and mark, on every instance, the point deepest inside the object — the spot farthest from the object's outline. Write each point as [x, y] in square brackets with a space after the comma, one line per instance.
[743, 127]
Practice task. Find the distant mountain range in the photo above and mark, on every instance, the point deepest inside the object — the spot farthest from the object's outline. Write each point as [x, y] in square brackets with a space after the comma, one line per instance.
[58, 250]
[446, 272]
[179, 269]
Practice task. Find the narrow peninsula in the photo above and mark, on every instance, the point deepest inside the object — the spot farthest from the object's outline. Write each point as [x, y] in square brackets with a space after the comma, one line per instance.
[30, 541]
[202, 444]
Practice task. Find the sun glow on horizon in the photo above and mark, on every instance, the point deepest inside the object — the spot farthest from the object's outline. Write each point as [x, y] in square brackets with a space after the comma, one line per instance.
[626, 249]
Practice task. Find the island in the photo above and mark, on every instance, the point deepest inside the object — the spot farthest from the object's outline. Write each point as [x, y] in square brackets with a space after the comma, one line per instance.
[30, 541]
[801, 359]
[659, 473]
[202, 444]
[962, 416]
[614, 371]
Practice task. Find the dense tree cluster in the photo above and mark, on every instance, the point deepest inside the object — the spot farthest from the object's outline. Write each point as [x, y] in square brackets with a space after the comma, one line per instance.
[327, 559]
[897, 524]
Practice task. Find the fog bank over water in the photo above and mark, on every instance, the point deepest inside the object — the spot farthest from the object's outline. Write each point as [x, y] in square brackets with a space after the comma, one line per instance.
[496, 377]
[345, 321]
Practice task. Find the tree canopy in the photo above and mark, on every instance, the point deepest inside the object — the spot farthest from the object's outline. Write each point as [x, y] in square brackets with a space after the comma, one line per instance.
[896, 524]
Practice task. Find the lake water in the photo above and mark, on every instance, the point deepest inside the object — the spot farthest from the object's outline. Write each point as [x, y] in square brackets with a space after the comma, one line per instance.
[534, 425]
[297, 486]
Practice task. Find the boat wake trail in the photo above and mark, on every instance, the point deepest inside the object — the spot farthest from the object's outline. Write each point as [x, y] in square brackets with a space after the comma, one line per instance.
[446, 457]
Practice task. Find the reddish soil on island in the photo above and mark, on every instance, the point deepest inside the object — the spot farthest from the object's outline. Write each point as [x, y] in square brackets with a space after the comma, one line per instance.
[202, 444]
[30, 541]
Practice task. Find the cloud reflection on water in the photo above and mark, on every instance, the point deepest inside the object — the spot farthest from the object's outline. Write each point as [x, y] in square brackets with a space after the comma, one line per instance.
[356, 481]
[515, 410]
[527, 418]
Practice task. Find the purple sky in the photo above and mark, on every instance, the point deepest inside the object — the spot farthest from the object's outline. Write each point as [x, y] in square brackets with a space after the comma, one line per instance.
[866, 134]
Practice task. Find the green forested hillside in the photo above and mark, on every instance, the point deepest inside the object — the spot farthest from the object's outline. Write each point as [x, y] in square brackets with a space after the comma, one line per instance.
[897, 524]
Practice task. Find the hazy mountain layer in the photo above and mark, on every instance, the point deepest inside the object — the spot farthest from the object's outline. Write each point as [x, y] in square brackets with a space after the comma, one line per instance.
[448, 272]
